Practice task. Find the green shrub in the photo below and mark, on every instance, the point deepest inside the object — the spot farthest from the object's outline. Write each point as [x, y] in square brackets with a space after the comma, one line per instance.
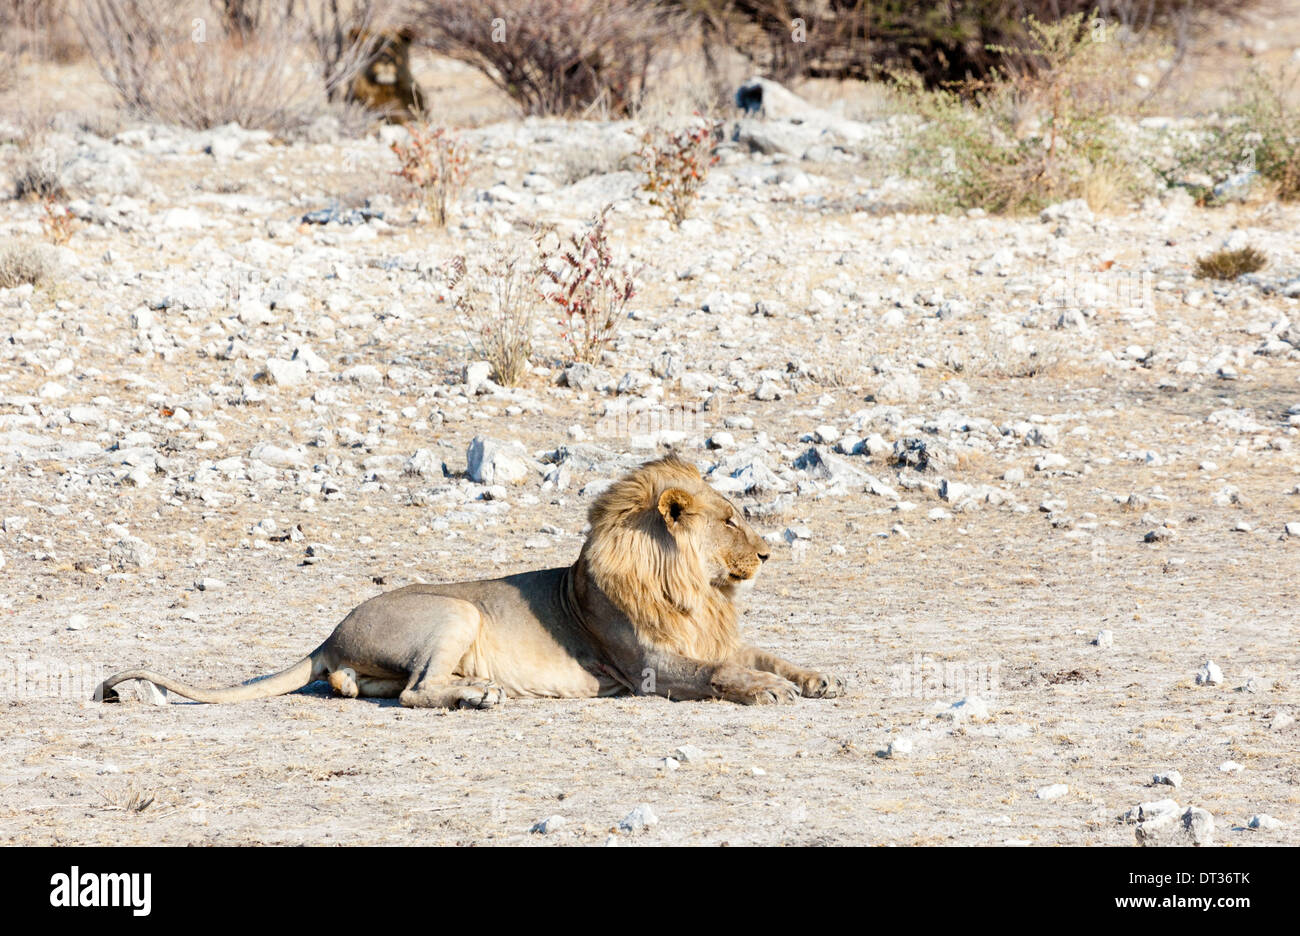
[1016, 142]
[1259, 138]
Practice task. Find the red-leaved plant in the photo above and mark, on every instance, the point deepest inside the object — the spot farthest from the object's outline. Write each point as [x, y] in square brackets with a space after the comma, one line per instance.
[591, 291]
[435, 165]
[676, 163]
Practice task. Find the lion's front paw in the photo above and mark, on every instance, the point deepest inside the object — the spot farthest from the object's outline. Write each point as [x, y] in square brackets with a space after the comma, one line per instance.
[821, 686]
[756, 688]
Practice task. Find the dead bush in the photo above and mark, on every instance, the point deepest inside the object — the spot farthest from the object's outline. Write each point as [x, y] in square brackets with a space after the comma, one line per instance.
[37, 176]
[498, 299]
[943, 42]
[555, 56]
[22, 262]
[177, 63]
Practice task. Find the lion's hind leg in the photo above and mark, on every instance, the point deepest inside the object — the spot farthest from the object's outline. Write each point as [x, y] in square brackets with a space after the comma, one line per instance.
[349, 685]
[437, 682]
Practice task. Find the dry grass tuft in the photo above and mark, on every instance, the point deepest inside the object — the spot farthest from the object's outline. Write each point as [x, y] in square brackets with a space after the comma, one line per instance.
[1229, 264]
[26, 263]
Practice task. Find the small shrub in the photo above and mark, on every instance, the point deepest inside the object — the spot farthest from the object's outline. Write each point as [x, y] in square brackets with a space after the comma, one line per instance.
[1229, 264]
[434, 165]
[591, 291]
[581, 163]
[38, 177]
[25, 263]
[1017, 142]
[1259, 136]
[676, 164]
[498, 300]
[58, 222]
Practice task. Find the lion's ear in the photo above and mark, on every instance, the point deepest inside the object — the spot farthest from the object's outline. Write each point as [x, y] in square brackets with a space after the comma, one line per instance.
[674, 505]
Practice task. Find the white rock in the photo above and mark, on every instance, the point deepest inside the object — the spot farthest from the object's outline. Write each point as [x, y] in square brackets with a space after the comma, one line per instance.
[209, 584]
[1193, 827]
[971, 708]
[1105, 639]
[78, 622]
[1230, 767]
[314, 363]
[1053, 791]
[475, 375]
[1169, 778]
[953, 491]
[1209, 674]
[286, 373]
[899, 747]
[132, 553]
[424, 463]
[277, 457]
[548, 825]
[642, 817]
[365, 374]
[1263, 822]
[689, 754]
[493, 462]
[151, 693]
[1144, 812]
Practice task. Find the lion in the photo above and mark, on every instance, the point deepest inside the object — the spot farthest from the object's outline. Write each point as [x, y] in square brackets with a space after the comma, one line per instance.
[384, 83]
[648, 608]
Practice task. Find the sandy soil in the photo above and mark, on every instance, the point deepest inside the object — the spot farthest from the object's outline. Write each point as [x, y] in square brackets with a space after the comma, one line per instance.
[1000, 596]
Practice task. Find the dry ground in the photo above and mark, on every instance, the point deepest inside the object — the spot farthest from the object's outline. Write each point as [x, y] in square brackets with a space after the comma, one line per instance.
[1011, 598]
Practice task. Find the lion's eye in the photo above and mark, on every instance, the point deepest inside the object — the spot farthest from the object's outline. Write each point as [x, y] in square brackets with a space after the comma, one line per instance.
[731, 522]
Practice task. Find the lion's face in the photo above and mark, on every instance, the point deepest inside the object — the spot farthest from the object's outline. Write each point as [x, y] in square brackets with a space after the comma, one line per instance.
[388, 63]
[729, 548]
[389, 59]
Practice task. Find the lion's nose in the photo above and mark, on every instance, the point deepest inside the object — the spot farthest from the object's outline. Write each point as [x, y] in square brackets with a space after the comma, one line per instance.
[763, 556]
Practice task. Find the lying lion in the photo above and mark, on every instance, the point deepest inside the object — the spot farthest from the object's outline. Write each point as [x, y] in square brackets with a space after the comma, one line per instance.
[648, 608]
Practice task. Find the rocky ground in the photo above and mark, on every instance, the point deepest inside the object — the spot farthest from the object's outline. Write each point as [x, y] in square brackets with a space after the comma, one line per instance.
[1024, 479]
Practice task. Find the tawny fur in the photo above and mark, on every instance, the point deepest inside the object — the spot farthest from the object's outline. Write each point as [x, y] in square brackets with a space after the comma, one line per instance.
[661, 582]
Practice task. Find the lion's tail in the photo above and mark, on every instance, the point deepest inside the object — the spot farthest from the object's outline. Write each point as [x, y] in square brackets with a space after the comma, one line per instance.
[305, 671]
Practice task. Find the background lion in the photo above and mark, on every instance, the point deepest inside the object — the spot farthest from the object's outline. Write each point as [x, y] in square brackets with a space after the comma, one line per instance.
[647, 608]
[385, 83]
